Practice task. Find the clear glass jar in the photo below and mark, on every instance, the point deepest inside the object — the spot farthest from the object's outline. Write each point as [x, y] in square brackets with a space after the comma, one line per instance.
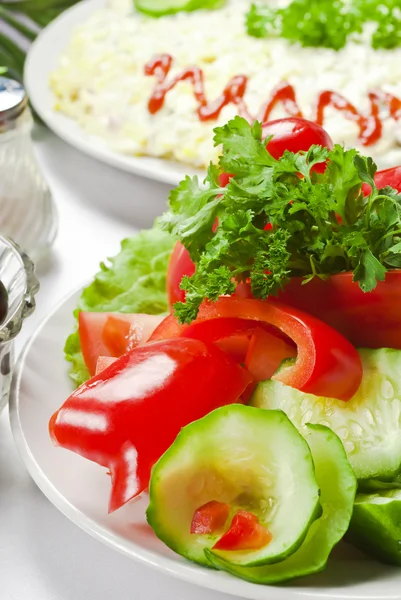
[27, 211]
[18, 278]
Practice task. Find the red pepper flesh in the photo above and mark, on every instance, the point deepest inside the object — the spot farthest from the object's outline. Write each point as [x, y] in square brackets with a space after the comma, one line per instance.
[245, 533]
[326, 364]
[128, 415]
[210, 518]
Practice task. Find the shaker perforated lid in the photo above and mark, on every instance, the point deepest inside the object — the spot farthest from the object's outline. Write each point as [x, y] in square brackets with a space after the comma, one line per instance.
[13, 99]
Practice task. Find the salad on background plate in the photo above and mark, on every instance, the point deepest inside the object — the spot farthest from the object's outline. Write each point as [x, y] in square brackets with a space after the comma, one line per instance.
[153, 78]
[239, 362]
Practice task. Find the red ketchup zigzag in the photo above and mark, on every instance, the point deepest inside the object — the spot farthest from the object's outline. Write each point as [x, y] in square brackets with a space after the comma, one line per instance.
[370, 125]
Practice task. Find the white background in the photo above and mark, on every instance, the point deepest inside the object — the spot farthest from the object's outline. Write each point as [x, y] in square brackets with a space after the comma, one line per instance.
[43, 556]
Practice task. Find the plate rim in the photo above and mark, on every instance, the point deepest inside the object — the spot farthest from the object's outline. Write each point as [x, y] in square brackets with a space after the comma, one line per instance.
[216, 581]
[150, 167]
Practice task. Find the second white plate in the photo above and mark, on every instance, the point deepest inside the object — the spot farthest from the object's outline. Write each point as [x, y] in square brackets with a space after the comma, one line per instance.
[41, 60]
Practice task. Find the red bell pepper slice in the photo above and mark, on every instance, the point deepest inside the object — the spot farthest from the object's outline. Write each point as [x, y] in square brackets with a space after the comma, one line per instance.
[210, 518]
[127, 416]
[265, 354]
[245, 533]
[326, 364]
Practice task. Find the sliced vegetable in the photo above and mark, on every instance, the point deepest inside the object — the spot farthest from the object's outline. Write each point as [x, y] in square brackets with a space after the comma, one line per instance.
[388, 177]
[337, 484]
[245, 533]
[103, 362]
[252, 460]
[133, 281]
[369, 424]
[112, 334]
[321, 224]
[180, 264]
[210, 518]
[369, 486]
[368, 320]
[326, 363]
[376, 525]
[125, 417]
[265, 354]
[256, 344]
[158, 8]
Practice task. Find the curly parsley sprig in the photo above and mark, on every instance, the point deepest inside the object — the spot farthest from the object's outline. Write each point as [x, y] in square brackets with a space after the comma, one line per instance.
[327, 23]
[319, 224]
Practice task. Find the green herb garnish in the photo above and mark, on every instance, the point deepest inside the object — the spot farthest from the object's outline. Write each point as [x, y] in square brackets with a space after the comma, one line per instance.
[319, 224]
[328, 23]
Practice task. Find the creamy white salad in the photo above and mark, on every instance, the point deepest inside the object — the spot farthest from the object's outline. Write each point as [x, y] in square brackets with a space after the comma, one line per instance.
[100, 80]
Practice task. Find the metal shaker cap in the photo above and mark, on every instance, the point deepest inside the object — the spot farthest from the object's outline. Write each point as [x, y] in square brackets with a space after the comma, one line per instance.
[13, 99]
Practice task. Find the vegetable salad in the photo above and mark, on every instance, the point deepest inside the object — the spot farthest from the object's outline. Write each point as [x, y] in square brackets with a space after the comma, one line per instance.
[240, 361]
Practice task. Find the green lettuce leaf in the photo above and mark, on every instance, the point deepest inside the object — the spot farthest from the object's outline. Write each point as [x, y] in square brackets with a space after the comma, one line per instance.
[134, 281]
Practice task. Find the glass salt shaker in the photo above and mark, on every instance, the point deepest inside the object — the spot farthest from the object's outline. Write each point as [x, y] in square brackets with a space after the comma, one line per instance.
[27, 211]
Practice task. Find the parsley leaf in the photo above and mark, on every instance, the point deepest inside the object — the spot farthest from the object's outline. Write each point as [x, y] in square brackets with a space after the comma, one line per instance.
[316, 23]
[279, 219]
[368, 271]
[328, 23]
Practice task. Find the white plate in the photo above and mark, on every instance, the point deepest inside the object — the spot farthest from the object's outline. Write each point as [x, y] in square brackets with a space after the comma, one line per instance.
[80, 488]
[41, 60]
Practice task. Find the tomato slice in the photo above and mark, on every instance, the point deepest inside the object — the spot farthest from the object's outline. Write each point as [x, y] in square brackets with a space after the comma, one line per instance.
[326, 364]
[391, 177]
[210, 518]
[112, 334]
[368, 320]
[224, 179]
[103, 362]
[116, 334]
[245, 533]
[180, 264]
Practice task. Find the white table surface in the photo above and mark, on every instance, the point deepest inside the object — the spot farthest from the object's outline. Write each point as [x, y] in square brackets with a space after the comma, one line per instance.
[43, 556]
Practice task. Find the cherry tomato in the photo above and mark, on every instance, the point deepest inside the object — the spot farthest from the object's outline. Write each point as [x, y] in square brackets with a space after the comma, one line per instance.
[210, 518]
[295, 134]
[112, 334]
[245, 533]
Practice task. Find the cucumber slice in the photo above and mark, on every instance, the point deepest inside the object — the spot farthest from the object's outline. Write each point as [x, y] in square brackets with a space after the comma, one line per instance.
[376, 525]
[158, 8]
[368, 486]
[369, 424]
[337, 483]
[245, 457]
